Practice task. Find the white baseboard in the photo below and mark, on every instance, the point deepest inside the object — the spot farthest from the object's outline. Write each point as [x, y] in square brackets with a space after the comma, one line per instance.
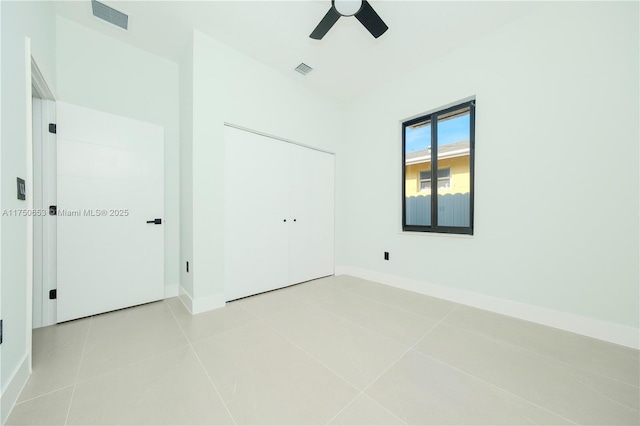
[201, 304]
[185, 298]
[14, 386]
[171, 290]
[602, 330]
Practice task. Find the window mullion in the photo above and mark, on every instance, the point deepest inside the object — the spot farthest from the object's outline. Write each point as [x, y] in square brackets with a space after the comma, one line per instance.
[434, 171]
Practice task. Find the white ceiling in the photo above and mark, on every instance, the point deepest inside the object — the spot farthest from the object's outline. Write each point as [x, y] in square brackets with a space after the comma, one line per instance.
[347, 62]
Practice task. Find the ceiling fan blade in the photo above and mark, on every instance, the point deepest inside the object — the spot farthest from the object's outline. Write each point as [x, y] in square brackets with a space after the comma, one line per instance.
[325, 25]
[370, 19]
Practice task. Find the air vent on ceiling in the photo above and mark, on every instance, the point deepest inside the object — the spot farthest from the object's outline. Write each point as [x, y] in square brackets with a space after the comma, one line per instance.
[304, 69]
[109, 14]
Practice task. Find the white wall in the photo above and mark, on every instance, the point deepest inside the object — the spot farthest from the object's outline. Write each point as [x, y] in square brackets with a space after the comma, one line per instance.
[231, 87]
[556, 210]
[99, 72]
[186, 171]
[35, 20]
[2, 417]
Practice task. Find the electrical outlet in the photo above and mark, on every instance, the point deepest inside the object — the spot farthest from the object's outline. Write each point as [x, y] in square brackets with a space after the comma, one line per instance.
[386, 255]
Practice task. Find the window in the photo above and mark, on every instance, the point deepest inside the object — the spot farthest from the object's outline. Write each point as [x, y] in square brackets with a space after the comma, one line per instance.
[437, 171]
[444, 179]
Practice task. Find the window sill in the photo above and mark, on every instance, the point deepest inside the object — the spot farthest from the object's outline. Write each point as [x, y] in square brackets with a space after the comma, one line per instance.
[436, 234]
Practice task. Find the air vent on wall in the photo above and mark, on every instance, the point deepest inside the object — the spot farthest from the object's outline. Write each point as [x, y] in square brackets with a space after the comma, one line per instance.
[304, 69]
[109, 14]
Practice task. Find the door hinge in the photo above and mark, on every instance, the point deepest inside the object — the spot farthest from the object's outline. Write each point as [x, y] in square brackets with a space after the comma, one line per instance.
[53, 128]
[53, 210]
[53, 294]
[1, 331]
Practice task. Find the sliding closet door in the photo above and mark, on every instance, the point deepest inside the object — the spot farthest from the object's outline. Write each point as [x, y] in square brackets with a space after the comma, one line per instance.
[256, 213]
[311, 204]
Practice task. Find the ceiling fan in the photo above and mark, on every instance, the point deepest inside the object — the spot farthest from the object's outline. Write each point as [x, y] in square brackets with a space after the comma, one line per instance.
[361, 9]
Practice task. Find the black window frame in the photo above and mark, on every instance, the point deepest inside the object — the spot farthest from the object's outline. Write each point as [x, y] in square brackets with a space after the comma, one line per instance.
[433, 119]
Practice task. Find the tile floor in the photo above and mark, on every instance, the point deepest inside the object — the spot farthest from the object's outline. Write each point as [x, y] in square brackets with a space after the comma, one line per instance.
[339, 350]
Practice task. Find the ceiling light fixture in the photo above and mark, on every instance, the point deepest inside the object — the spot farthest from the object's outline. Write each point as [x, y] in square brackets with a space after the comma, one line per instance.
[347, 7]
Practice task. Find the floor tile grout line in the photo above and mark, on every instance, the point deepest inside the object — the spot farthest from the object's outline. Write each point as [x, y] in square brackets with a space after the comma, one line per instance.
[443, 321]
[394, 363]
[613, 400]
[139, 361]
[336, 315]
[279, 289]
[361, 393]
[129, 364]
[305, 301]
[75, 380]
[279, 333]
[398, 306]
[350, 403]
[383, 407]
[493, 385]
[497, 340]
[456, 305]
[376, 331]
[409, 348]
[264, 318]
[328, 368]
[373, 400]
[312, 300]
[481, 335]
[548, 357]
[51, 392]
[350, 321]
[493, 339]
[215, 333]
[215, 388]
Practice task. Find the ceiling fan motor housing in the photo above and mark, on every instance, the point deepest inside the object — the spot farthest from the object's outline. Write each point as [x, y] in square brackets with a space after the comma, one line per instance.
[360, 9]
[347, 7]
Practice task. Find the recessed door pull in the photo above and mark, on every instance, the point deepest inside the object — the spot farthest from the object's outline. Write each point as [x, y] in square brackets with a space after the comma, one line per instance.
[155, 221]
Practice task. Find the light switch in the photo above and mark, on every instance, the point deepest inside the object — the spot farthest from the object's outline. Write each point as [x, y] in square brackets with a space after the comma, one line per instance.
[22, 189]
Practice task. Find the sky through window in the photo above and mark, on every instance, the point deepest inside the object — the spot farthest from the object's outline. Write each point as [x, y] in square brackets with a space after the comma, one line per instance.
[449, 131]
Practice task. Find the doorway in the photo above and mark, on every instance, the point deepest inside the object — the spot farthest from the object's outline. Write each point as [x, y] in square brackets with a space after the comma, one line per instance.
[98, 198]
[43, 179]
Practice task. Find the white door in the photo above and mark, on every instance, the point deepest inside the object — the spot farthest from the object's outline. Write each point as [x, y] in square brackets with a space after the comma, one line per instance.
[110, 184]
[256, 214]
[312, 212]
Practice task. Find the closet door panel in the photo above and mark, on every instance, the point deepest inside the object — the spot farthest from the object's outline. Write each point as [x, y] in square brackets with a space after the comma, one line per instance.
[312, 214]
[256, 214]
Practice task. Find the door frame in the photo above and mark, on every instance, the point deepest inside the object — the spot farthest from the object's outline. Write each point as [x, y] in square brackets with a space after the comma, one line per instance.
[37, 137]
